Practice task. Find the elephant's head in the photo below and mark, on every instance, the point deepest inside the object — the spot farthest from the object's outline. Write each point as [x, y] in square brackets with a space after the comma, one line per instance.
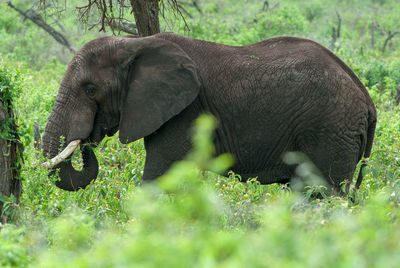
[131, 84]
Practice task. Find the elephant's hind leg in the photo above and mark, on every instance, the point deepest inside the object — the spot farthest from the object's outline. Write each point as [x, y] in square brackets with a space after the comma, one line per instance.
[336, 161]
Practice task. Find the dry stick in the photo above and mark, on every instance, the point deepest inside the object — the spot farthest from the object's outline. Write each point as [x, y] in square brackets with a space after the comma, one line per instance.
[336, 31]
[390, 36]
[38, 20]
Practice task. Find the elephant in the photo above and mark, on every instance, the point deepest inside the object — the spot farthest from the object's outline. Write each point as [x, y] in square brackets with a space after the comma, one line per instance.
[279, 95]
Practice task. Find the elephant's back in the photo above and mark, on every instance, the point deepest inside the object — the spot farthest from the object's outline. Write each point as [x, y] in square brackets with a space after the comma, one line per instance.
[285, 92]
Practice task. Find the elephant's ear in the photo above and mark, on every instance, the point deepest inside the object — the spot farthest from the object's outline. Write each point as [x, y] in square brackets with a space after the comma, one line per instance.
[162, 81]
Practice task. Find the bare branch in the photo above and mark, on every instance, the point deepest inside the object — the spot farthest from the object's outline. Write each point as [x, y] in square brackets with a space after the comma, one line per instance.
[112, 13]
[176, 10]
[389, 37]
[185, 11]
[125, 26]
[38, 20]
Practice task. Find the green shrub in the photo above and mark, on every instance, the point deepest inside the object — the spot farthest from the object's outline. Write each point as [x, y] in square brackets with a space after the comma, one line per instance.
[13, 251]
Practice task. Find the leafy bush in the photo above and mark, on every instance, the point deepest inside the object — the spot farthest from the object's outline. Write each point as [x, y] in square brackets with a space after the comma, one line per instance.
[13, 252]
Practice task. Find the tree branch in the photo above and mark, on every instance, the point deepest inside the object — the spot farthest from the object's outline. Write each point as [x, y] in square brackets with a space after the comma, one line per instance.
[38, 20]
[125, 26]
[390, 36]
[113, 13]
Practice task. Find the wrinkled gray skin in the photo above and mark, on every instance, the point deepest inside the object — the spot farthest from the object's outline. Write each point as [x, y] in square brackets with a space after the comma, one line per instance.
[282, 94]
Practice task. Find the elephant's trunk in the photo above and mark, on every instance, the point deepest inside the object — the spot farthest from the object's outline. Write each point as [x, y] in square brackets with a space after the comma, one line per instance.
[70, 179]
[73, 180]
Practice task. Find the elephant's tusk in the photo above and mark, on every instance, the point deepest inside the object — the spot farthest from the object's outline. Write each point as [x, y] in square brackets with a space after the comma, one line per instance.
[63, 155]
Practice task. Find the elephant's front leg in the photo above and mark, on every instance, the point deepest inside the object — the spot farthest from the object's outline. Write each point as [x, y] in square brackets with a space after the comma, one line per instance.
[163, 148]
[170, 143]
[155, 165]
[161, 153]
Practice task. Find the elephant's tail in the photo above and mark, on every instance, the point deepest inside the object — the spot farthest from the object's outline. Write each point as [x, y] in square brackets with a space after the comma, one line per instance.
[368, 146]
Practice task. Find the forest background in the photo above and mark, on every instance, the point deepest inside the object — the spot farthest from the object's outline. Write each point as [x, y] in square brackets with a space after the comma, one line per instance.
[187, 217]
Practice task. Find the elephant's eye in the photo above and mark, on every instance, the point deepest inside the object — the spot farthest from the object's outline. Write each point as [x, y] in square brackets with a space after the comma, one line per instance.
[90, 91]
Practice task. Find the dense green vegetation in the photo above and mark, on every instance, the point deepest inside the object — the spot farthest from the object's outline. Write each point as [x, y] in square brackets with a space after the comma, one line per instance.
[188, 217]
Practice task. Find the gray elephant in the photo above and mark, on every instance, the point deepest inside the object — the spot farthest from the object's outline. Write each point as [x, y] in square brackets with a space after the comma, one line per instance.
[282, 94]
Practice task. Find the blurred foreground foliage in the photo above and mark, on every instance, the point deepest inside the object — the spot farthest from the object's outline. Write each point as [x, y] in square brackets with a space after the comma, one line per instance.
[193, 218]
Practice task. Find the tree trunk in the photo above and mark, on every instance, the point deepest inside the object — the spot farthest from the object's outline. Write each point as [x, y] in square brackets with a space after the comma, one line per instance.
[10, 158]
[146, 16]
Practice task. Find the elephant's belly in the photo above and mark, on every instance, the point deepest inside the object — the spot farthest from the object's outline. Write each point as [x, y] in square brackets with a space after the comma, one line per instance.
[260, 158]
[278, 174]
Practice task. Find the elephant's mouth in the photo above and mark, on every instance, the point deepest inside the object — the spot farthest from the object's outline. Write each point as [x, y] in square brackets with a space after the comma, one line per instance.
[99, 133]
[110, 132]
